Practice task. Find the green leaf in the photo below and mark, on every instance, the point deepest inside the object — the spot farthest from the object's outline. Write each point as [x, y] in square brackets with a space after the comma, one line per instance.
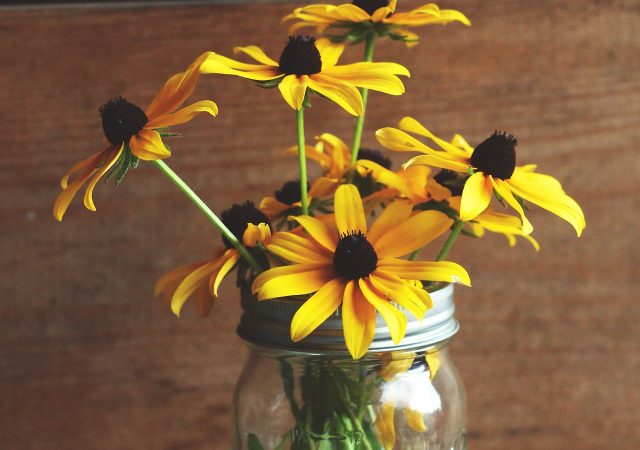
[269, 84]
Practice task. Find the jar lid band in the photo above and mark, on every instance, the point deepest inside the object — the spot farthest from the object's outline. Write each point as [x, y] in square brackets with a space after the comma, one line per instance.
[268, 323]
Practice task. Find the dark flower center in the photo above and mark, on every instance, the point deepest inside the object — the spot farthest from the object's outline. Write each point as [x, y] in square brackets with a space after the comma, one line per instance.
[370, 6]
[121, 120]
[300, 56]
[355, 257]
[238, 216]
[496, 155]
[289, 193]
[451, 180]
[375, 156]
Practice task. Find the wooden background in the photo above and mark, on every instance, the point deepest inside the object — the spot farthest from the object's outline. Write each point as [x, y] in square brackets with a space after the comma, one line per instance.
[550, 344]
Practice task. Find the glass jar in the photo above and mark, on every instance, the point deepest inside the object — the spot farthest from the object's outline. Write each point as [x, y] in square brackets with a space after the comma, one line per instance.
[312, 395]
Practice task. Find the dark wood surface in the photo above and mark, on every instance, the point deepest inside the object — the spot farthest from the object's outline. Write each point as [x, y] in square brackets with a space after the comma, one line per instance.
[550, 344]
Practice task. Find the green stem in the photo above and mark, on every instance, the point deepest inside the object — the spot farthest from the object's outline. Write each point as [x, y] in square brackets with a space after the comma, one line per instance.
[357, 136]
[302, 161]
[164, 168]
[457, 228]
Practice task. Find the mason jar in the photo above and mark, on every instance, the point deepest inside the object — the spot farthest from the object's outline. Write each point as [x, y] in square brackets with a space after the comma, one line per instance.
[311, 395]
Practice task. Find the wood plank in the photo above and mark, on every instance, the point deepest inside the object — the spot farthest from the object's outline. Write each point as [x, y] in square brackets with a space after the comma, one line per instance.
[549, 347]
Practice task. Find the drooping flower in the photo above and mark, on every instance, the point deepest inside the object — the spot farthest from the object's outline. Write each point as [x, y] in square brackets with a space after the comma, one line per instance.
[401, 386]
[202, 279]
[352, 21]
[493, 164]
[358, 269]
[309, 64]
[132, 135]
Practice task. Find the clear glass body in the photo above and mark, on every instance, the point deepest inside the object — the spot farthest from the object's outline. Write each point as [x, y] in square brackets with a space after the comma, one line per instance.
[402, 400]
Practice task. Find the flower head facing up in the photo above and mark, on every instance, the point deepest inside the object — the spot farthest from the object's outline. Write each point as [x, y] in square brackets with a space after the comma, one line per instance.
[357, 268]
[132, 135]
[309, 64]
[354, 22]
[121, 120]
[300, 56]
[239, 217]
[493, 168]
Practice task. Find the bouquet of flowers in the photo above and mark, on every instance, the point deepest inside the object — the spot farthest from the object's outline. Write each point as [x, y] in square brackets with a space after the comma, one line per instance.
[348, 241]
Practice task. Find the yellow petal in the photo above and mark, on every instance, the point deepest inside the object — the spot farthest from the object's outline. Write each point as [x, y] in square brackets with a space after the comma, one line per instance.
[219, 64]
[256, 53]
[168, 282]
[379, 77]
[413, 126]
[329, 52]
[385, 428]
[94, 161]
[446, 271]
[225, 264]
[318, 231]
[317, 309]
[433, 361]
[399, 141]
[476, 196]
[358, 321]
[349, 211]
[394, 318]
[256, 234]
[323, 186]
[297, 279]
[392, 216]
[392, 287]
[415, 420]
[272, 208]
[183, 115]
[503, 189]
[546, 192]
[412, 234]
[293, 89]
[298, 249]
[437, 161]
[340, 92]
[111, 160]
[148, 146]
[64, 198]
[190, 283]
[176, 90]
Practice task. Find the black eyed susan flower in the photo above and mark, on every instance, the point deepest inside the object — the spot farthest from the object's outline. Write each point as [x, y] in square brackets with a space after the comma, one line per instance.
[309, 64]
[202, 279]
[358, 269]
[132, 135]
[493, 164]
[352, 21]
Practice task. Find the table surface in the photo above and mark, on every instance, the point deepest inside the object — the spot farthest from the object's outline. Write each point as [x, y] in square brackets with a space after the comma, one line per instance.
[549, 347]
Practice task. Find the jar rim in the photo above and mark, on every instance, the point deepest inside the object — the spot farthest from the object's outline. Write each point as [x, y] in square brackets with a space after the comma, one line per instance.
[267, 324]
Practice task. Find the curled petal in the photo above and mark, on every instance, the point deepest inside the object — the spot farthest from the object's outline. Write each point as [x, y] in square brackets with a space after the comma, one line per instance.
[148, 146]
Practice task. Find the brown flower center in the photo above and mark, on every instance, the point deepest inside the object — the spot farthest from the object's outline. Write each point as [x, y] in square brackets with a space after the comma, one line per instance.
[354, 257]
[300, 56]
[121, 120]
[496, 155]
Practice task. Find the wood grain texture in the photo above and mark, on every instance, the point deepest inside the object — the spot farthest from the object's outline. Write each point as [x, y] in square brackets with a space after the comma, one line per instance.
[550, 344]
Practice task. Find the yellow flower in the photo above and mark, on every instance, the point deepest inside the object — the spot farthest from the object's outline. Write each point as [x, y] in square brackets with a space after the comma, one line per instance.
[203, 278]
[309, 64]
[396, 364]
[286, 200]
[131, 133]
[360, 16]
[496, 222]
[493, 164]
[358, 269]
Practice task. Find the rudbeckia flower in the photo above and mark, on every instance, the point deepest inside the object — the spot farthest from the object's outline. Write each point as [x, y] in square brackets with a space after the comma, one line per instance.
[286, 200]
[132, 135]
[309, 64]
[360, 16]
[358, 269]
[202, 279]
[400, 389]
[493, 164]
